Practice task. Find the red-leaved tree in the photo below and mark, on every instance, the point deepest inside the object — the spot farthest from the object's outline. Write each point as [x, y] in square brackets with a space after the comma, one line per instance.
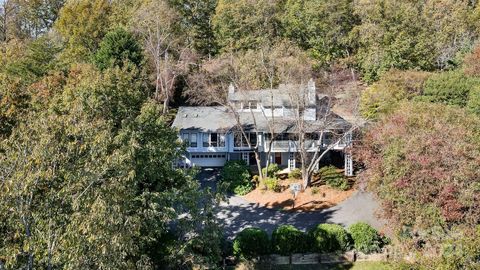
[423, 162]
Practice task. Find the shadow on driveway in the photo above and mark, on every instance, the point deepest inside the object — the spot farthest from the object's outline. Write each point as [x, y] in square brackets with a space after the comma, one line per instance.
[238, 214]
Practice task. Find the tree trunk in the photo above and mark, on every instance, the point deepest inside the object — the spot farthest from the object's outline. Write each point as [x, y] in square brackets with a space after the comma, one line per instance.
[165, 104]
[259, 166]
[157, 85]
[305, 178]
[28, 234]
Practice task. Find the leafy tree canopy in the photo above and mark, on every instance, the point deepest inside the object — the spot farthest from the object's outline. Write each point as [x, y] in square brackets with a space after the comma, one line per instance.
[82, 25]
[451, 88]
[320, 26]
[394, 86]
[245, 24]
[117, 47]
[422, 162]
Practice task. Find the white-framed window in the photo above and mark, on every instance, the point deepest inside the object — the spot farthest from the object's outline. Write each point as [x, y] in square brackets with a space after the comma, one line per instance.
[327, 138]
[221, 142]
[206, 140]
[240, 141]
[213, 139]
[186, 138]
[193, 139]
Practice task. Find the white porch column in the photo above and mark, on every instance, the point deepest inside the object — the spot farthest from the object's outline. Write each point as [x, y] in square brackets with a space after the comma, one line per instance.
[348, 164]
[291, 161]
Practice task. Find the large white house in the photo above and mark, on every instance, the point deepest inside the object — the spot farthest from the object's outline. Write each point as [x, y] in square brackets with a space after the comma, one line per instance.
[213, 136]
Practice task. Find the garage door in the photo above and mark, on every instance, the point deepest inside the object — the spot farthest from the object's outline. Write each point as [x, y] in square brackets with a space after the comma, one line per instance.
[208, 160]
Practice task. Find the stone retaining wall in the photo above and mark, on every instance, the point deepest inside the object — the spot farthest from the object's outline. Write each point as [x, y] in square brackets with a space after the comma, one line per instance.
[326, 258]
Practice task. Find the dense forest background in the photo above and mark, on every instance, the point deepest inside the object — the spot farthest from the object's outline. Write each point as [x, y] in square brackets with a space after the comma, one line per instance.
[88, 89]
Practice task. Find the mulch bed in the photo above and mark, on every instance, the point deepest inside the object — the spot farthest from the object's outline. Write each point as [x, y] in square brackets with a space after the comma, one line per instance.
[312, 199]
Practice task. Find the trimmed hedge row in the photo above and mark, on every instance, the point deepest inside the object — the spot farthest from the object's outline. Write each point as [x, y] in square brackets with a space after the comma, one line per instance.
[330, 237]
[251, 243]
[287, 240]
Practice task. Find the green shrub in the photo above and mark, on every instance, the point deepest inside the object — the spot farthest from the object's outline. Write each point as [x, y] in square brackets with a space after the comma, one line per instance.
[333, 178]
[365, 238]
[251, 243]
[236, 175]
[243, 189]
[272, 184]
[473, 104]
[330, 237]
[451, 88]
[272, 170]
[295, 174]
[287, 240]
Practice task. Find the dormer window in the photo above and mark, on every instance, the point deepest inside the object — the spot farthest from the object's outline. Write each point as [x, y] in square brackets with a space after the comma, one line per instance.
[253, 105]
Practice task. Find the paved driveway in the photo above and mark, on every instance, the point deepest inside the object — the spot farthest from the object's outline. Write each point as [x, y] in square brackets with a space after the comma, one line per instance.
[237, 213]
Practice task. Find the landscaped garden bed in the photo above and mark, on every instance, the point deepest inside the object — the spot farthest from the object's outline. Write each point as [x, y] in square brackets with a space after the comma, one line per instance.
[328, 188]
[311, 199]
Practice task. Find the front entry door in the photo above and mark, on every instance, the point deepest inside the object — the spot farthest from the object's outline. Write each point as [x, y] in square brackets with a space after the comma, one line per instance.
[278, 158]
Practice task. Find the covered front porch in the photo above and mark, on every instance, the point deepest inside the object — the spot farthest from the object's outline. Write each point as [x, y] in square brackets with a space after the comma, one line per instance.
[291, 160]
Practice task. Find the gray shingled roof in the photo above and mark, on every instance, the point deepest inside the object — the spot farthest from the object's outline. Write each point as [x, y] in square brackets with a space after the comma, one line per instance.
[208, 119]
[278, 97]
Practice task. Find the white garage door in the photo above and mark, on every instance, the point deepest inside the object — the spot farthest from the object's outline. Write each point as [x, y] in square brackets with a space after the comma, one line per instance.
[208, 160]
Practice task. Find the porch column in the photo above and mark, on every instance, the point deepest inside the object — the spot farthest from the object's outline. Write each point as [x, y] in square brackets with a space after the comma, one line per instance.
[348, 164]
[291, 161]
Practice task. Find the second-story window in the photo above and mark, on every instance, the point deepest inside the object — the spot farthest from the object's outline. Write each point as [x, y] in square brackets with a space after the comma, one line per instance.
[221, 142]
[193, 139]
[312, 136]
[327, 138]
[253, 139]
[240, 140]
[205, 140]
[253, 105]
[213, 140]
[185, 138]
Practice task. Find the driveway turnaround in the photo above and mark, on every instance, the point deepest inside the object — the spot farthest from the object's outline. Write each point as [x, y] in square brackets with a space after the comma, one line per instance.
[238, 214]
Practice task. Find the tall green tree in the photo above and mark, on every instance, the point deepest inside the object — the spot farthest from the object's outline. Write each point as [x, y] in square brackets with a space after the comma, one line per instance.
[83, 24]
[196, 21]
[38, 16]
[89, 183]
[385, 95]
[39, 57]
[22, 64]
[117, 47]
[322, 27]
[246, 24]
[451, 88]
[398, 34]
